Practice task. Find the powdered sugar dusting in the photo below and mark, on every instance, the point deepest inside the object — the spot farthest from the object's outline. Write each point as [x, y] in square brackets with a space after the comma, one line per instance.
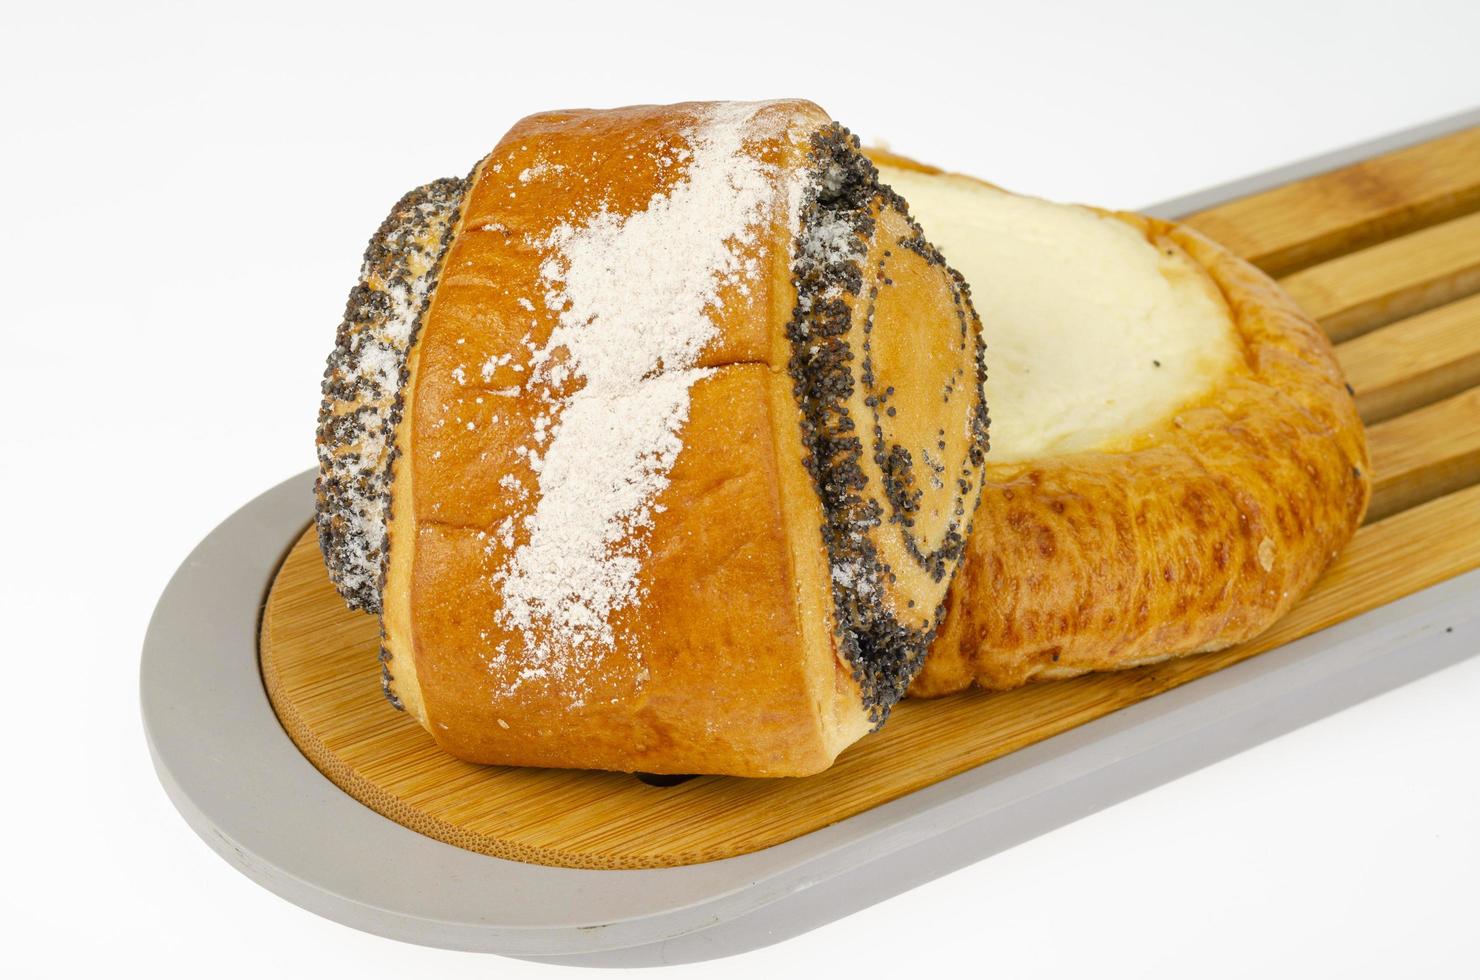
[541, 169]
[633, 297]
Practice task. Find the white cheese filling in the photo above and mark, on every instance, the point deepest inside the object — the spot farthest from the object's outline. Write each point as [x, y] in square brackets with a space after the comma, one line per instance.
[1093, 334]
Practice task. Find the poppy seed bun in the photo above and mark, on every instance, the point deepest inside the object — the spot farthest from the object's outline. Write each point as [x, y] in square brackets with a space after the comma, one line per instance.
[683, 448]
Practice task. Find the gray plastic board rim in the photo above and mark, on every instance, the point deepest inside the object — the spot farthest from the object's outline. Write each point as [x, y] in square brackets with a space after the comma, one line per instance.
[273, 816]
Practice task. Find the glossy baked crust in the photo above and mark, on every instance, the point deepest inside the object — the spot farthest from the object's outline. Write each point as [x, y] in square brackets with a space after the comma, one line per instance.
[758, 648]
[1198, 536]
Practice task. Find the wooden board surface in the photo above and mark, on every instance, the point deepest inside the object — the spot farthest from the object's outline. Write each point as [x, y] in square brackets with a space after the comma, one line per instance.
[1385, 253]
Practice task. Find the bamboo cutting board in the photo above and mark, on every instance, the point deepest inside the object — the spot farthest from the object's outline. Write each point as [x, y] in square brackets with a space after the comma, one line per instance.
[1385, 254]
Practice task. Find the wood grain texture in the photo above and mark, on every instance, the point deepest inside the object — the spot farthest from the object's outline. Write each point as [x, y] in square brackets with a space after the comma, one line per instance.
[1319, 218]
[1425, 454]
[1395, 279]
[1414, 364]
[319, 665]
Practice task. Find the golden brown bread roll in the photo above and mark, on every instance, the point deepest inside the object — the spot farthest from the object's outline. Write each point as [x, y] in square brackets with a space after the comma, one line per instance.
[1176, 456]
[654, 443]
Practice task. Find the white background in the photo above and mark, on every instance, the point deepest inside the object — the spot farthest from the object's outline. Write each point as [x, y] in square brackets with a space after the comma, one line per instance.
[188, 194]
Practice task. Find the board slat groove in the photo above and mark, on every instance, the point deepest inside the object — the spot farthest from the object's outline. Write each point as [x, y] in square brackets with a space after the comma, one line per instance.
[1425, 454]
[1320, 218]
[1411, 332]
[1414, 362]
[1371, 288]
